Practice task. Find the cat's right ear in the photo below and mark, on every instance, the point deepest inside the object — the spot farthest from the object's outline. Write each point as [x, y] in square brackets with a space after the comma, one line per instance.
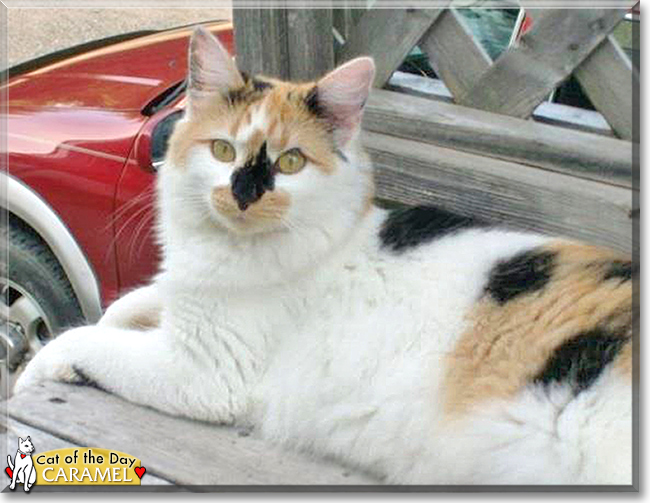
[20, 440]
[211, 69]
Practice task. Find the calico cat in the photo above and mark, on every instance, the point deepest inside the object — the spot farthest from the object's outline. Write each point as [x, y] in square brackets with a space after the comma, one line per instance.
[421, 346]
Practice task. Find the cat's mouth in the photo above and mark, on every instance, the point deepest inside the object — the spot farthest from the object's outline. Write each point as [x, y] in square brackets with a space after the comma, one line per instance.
[263, 215]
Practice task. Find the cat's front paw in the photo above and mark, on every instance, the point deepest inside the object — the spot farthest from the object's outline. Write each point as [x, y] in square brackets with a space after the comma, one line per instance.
[60, 360]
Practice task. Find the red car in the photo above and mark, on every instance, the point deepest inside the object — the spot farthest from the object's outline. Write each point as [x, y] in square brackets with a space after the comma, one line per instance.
[86, 128]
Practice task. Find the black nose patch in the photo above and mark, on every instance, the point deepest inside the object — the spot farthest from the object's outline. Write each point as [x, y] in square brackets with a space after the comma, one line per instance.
[253, 179]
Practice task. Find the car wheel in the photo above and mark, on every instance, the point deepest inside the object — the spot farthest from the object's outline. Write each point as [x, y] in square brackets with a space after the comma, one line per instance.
[36, 302]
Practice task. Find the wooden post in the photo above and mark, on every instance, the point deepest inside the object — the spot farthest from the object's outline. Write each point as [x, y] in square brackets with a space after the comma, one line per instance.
[290, 44]
[261, 41]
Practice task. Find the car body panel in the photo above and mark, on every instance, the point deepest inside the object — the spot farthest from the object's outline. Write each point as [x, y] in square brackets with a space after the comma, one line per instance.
[124, 76]
[71, 128]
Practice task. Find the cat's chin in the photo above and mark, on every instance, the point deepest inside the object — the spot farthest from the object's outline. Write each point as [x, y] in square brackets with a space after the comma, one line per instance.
[244, 225]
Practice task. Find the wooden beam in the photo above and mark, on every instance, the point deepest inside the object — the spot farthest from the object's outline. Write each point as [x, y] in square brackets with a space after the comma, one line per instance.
[261, 41]
[514, 195]
[500, 137]
[387, 35]
[458, 59]
[178, 450]
[566, 116]
[310, 42]
[524, 76]
[607, 76]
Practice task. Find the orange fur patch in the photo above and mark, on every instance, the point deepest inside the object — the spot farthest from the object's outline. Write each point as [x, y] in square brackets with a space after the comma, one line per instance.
[271, 207]
[506, 345]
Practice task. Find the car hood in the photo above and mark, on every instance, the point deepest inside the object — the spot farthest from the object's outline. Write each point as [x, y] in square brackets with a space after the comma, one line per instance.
[121, 76]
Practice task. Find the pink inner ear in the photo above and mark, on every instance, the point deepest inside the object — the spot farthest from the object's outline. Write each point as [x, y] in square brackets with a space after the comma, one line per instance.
[344, 91]
[211, 69]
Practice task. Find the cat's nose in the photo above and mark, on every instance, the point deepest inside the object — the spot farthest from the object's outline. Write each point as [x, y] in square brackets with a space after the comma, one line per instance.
[246, 188]
[253, 179]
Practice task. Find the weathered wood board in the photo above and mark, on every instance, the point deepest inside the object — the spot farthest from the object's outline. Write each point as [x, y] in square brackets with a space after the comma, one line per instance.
[183, 452]
[387, 35]
[526, 142]
[515, 195]
[558, 42]
[566, 116]
[608, 78]
[454, 54]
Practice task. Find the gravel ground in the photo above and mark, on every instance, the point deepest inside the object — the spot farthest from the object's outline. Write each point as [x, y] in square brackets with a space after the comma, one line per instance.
[35, 32]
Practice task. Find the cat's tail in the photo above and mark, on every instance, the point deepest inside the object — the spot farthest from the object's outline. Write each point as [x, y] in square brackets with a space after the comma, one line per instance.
[11, 463]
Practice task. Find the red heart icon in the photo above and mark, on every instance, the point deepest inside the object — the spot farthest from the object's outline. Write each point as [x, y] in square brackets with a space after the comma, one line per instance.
[139, 471]
[10, 472]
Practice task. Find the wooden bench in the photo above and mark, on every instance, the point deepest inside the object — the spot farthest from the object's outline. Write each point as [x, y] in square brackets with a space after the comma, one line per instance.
[188, 454]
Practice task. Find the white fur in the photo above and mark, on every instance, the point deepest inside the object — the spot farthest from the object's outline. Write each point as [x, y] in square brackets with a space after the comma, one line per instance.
[323, 340]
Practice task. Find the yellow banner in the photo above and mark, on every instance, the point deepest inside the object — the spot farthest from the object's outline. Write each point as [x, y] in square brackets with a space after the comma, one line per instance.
[87, 466]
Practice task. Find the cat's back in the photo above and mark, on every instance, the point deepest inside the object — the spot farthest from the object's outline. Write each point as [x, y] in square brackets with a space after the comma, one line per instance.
[543, 330]
[531, 308]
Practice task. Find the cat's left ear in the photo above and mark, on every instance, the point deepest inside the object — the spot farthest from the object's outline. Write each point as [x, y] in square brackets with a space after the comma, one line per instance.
[342, 94]
[211, 69]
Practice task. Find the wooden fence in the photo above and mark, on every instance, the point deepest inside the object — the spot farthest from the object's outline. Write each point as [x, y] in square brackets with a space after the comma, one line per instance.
[470, 142]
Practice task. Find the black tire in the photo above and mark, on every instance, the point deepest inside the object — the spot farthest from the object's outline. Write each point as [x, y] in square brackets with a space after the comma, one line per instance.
[33, 267]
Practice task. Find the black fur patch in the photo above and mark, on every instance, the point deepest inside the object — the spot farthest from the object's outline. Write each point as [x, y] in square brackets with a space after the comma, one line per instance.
[623, 270]
[524, 273]
[341, 155]
[84, 380]
[313, 104]
[579, 361]
[261, 85]
[252, 89]
[251, 181]
[411, 227]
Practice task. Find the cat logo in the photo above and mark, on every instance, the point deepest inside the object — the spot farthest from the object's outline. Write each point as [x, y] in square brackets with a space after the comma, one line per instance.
[21, 469]
[72, 466]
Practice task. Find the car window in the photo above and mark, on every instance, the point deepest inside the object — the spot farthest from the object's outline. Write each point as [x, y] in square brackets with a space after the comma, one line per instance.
[160, 137]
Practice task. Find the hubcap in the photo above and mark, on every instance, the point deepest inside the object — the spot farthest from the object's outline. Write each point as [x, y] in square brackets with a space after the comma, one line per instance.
[24, 330]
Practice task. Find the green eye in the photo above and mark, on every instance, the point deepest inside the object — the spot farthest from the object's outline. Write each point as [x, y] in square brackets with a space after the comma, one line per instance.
[290, 162]
[223, 151]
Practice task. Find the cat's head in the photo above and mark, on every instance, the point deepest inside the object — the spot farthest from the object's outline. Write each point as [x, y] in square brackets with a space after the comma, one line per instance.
[25, 445]
[255, 156]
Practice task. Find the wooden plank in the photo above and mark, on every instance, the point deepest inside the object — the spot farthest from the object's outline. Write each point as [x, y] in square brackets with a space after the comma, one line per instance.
[310, 42]
[500, 137]
[580, 119]
[457, 58]
[608, 78]
[261, 40]
[387, 35]
[514, 195]
[43, 442]
[345, 18]
[182, 451]
[524, 76]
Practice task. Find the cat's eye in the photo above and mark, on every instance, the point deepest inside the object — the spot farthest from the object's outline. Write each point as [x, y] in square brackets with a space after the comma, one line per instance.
[223, 151]
[290, 162]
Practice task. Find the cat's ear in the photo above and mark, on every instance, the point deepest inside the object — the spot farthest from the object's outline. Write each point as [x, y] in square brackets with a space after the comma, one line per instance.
[342, 94]
[211, 69]
[20, 440]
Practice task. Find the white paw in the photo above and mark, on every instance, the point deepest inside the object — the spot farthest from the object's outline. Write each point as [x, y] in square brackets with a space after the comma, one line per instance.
[57, 361]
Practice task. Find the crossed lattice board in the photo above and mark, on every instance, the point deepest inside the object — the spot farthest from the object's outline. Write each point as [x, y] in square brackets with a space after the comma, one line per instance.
[561, 42]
